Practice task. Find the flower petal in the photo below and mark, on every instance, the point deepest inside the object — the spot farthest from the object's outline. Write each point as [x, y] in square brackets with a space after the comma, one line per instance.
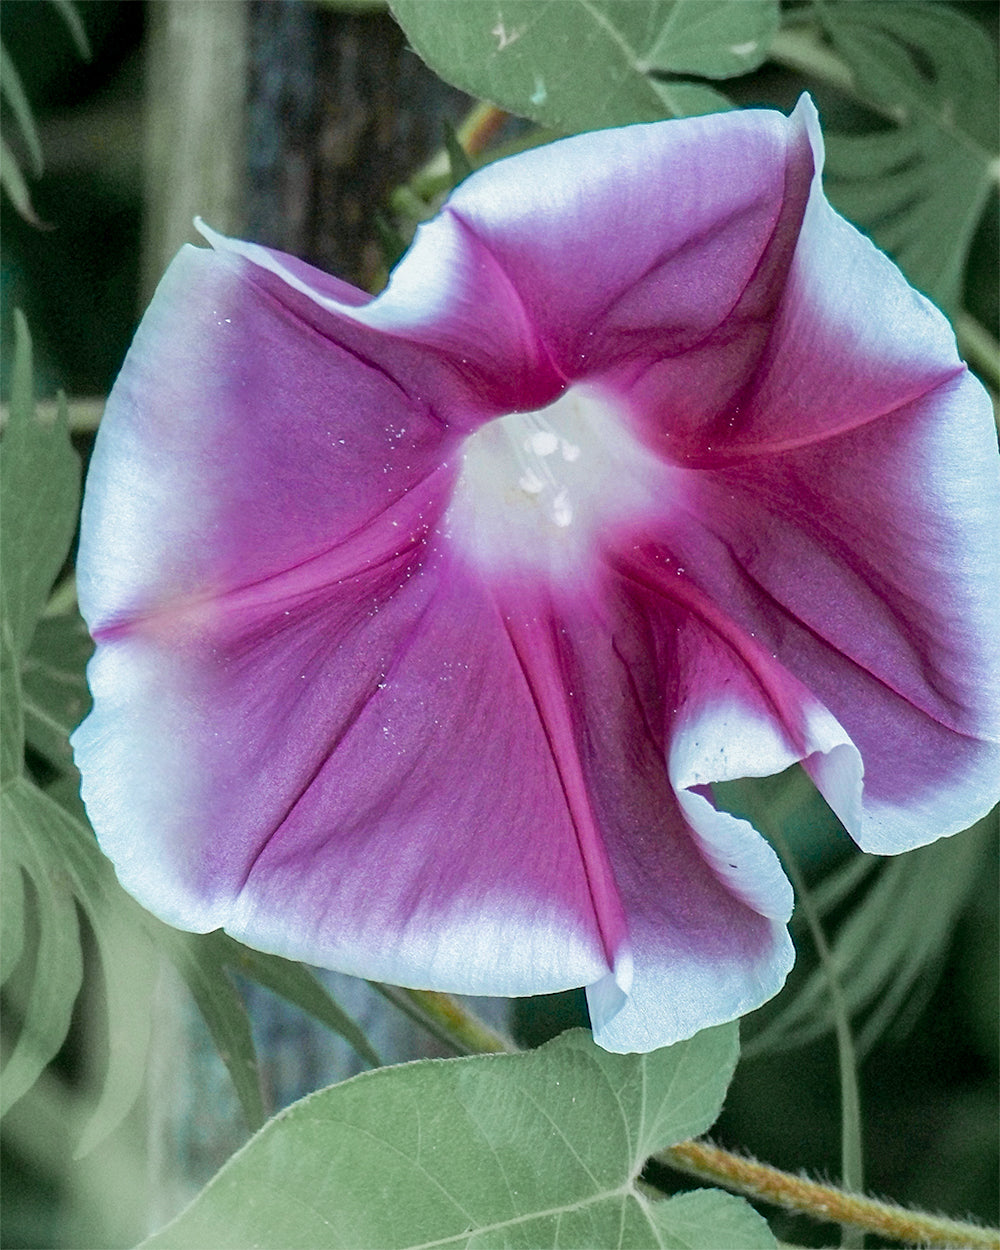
[633, 245]
[447, 294]
[703, 894]
[355, 785]
[220, 463]
[870, 562]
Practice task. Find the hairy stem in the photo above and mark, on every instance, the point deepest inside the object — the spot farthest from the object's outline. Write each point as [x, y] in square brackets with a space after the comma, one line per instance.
[823, 1202]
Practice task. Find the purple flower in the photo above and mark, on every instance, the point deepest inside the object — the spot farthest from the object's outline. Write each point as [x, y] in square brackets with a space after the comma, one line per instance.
[426, 622]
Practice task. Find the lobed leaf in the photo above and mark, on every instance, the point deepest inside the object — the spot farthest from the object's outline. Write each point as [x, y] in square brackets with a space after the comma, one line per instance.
[60, 857]
[54, 685]
[13, 92]
[40, 485]
[920, 187]
[583, 64]
[537, 1149]
[44, 994]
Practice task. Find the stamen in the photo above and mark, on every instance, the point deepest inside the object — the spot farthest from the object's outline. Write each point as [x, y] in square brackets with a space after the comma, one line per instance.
[537, 488]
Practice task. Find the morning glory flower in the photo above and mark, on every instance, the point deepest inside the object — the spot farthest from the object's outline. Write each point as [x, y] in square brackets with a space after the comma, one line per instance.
[425, 623]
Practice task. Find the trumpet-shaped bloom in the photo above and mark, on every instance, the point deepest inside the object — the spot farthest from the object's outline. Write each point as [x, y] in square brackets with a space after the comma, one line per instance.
[426, 622]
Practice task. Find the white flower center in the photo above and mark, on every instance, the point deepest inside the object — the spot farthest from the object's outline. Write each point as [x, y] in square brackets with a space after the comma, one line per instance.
[537, 489]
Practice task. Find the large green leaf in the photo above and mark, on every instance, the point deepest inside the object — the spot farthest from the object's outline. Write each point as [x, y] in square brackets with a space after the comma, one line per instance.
[920, 185]
[531, 1150]
[715, 38]
[583, 64]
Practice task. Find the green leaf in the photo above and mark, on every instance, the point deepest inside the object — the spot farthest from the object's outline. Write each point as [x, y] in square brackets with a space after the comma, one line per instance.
[12, 917]
[715, 38]
[708, 1219]
[223, 1011]
[13, 92]
[40, 486]
[12, 181]
[576, 65]
[919, 188]
[12, 720]
[47, 997]
[532, 1150]
[68, 12]
[54, 684]
[66, 868]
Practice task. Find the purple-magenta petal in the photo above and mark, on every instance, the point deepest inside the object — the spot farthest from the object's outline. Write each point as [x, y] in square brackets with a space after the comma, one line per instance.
[895, 627]
[427, 622]
[362, 789]
[633, 246]
[448, 295]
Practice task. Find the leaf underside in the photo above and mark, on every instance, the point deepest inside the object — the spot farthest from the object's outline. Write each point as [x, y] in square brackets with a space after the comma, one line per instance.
[537, 1149]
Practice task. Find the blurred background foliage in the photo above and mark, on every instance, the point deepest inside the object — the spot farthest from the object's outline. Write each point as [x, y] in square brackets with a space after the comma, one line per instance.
[326, 140]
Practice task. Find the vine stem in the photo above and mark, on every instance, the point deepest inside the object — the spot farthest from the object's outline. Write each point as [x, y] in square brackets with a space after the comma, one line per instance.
[824, 1202]
[852, 1166]
[452, 1022]
[446, 1019]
